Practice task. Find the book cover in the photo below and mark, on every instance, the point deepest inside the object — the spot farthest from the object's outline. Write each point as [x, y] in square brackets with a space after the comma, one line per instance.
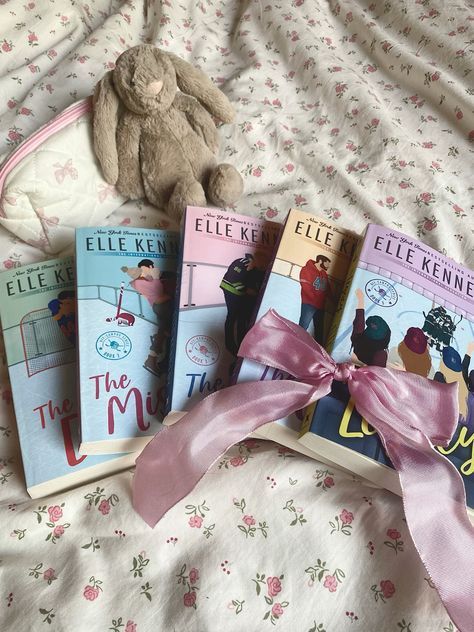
[126, 280]
[224, 260]
[303, 285]
[37, 310]
[406, 307]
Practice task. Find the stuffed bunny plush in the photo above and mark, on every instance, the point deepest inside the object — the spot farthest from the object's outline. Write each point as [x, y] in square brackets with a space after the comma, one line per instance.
[154, 140]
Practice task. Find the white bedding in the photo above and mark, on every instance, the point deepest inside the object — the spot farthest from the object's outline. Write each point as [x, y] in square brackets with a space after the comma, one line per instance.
[356, 111]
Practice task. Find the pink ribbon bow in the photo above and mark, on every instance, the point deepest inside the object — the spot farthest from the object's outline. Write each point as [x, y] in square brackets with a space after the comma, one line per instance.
[409, 412]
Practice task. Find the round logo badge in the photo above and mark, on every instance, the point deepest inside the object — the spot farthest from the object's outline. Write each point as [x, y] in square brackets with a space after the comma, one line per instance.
[113, 345]
[381, 292]
[202, 350]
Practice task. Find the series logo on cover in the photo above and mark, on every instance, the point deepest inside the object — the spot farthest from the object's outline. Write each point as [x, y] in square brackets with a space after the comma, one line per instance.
[202, 350]
[113, 345]
[381, 292]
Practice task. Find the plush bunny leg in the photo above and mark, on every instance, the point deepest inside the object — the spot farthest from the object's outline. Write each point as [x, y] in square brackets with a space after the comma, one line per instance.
[187, 192]
[225, 185]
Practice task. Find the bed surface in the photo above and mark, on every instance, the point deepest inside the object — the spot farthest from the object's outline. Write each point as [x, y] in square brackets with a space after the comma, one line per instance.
[358, 111]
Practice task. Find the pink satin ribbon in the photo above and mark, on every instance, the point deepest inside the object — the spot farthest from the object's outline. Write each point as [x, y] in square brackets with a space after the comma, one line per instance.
[409, 412]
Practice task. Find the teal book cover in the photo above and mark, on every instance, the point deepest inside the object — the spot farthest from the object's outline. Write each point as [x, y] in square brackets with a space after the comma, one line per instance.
[38, 314]
[224, 260]
[126, 279]
[407, 307]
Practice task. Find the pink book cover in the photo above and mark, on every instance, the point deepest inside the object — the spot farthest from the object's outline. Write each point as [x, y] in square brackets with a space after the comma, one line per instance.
[224, 261]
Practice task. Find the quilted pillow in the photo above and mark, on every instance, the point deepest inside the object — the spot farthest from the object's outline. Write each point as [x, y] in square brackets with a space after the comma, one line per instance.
[52, 183]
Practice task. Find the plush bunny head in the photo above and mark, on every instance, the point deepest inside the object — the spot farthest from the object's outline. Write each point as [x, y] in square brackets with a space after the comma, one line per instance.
[145, 79]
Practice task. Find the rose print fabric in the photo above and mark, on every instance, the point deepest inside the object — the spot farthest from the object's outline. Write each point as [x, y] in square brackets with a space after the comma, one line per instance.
[357, 111]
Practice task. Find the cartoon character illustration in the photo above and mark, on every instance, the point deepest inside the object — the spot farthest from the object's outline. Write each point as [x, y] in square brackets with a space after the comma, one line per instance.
[123, 319]
[240, 285]
[315, 290]
[468, 377]
[450, 370]
[439, 327]
[414, 353]
[63, 311]
[370, 338]
[158, 288]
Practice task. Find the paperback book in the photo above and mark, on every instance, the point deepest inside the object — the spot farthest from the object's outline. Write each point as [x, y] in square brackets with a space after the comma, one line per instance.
[37, 309]
[224, 260]
[303, 285]
[407, 307]
[126, 279]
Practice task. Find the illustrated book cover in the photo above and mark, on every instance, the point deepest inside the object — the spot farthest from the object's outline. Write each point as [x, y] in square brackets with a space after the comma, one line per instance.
[406, 307]
[38, 314]
[126, 280]
[304, 285]
[224, 261]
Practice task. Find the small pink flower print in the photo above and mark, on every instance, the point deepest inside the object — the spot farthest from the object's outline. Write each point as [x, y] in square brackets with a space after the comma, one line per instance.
[330, 582]
[404, 184]
[257, 172]
[11, 103]
[290, 167]
[104, 507]
[55, 512]
[334, 131]
[249, 520]
[58, 531]
[193, 575]
[195, 521]
[235, 461]
[328, 481]
[394, 534]
[25, 111]
[131, 626]
[390, 200]
[8, 264]
[14, 135]
[388, 589]
[6, 46]
[346, 516]
[371, 68]
[426, 197]
[32, 37]
[251, 444]
[277, 610]
[429, 224]
[91, 593]
[49, 575]
[435, 76]
[428, 145]
[189, 599]
[274, 586]
[375, 122]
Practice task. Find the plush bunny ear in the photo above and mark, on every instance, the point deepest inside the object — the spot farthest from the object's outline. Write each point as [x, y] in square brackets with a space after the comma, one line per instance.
[192, 81]
[105, 104]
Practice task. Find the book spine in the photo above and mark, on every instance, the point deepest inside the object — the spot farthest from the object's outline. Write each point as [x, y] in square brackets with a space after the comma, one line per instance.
[174, 324]
[309, 411]
[342, 299]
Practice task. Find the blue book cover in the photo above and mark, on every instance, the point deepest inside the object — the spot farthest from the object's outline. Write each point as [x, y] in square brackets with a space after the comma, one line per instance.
[37, 309]
[304, 285]
[406, 307]
[126, 280]
[224, 260]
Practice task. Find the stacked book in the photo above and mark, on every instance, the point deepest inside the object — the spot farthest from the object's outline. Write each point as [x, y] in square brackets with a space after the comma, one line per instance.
[106, 348]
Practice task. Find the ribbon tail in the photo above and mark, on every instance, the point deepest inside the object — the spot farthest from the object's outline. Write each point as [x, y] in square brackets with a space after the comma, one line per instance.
[176, 459]
[435, 509]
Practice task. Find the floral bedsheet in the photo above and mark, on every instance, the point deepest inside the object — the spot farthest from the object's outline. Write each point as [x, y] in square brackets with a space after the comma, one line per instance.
[359, 111]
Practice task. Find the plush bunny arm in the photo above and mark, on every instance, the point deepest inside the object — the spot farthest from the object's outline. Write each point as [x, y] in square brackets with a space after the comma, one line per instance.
[105, 105]
[129, 182]
[199, 119]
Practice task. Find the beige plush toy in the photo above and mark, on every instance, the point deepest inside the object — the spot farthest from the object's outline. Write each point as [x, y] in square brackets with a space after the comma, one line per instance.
[154, 140]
